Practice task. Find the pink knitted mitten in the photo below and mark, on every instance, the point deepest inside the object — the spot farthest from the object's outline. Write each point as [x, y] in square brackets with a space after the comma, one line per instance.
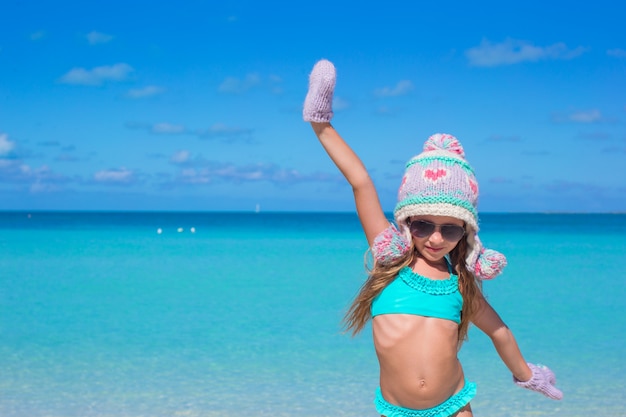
[318, 104]
[542, 381]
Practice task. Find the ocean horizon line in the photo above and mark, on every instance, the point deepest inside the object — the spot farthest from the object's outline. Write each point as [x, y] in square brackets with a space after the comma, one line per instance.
[253, 211]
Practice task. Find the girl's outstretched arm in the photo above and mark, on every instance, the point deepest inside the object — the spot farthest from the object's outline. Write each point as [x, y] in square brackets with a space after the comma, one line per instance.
[526, 375]
[488, 320]
[318, 111]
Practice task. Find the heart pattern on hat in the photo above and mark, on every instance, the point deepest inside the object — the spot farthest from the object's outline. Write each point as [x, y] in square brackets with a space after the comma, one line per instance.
[435, 174]
[473, 186]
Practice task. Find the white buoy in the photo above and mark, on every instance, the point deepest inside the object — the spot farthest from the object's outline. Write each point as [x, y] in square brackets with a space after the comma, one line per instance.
[192, 230]
[159, 231]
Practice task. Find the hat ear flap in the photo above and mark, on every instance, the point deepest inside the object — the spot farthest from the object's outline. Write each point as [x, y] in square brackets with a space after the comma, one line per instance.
[483, 263]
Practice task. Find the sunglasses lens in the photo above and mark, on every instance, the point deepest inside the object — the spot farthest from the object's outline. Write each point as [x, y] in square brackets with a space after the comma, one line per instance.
[421, 228]
[452, 233]
[449, 232]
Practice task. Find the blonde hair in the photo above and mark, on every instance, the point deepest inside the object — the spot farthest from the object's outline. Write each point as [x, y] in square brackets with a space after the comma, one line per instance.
[380, 276]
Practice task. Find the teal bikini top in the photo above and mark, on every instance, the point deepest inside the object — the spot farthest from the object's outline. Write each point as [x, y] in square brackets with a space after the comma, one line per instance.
[411, 293]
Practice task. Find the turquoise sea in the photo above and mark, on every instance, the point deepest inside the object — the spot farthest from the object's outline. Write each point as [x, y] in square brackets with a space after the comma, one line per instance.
[102, 315]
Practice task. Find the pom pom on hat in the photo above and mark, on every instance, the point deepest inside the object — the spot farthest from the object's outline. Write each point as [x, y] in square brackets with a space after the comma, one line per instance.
[489, 264]
[485, 263]
[389, 245]
[444, 142]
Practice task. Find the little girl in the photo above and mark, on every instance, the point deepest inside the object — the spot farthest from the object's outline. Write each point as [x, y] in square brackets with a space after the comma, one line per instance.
[424, 287]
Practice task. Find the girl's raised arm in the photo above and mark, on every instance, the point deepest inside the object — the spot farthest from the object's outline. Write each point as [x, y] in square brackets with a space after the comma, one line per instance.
[318, 111]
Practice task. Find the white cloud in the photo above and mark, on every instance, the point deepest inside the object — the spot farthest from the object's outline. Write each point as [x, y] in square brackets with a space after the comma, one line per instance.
[596, 136]
[180, 157]
[224, 131]
[147, 91]
[340, 104]
[65, 157]
[209, 171]
[276, 84]
[402, 88]
[40, 187]
[589, 116]
[97, 75]
[114, 176]
[503, 138]
[6, 146]
[49, 143]
[162, 128]
[17, 173]
[617, 53]
[218, 130]
[40, 34]
[198, 170]
[95, 38]
[384, 110]
[168, 129]
[513, 51]
[235, 85]
[221, 128]
[586, 116]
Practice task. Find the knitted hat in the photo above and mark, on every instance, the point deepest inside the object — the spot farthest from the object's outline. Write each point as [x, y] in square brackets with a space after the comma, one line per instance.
[440, 182]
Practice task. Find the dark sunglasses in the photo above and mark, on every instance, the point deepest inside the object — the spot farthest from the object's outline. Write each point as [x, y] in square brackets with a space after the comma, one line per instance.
[450, 232]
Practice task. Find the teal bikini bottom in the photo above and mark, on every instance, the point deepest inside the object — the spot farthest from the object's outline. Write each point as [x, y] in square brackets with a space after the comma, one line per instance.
[445, 409]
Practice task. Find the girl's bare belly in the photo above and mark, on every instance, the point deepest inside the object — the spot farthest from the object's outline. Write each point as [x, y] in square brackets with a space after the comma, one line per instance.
[418, 359]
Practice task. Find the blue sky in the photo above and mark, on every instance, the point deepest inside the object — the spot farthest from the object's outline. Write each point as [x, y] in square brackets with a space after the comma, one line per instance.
[196, 105]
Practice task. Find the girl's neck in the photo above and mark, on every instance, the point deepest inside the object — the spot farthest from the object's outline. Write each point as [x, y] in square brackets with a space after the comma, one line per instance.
[431, 269]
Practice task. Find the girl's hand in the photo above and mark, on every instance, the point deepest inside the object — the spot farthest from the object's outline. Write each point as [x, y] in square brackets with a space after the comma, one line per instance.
[542, 381]
[318, 104]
